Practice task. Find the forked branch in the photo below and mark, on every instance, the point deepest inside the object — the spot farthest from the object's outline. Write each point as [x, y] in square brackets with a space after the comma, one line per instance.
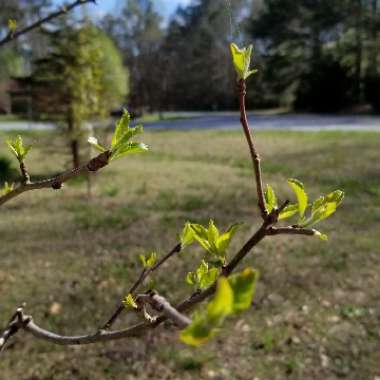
[252, 149]
[56, 182]
[12, 35]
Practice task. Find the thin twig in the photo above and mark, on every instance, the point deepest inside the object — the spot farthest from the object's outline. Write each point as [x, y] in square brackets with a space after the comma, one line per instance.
[161, 304]
[254, 154]
[265, 229]
[63, 10]
[24, 173]
[290, 231]
[56, 182]
[143, 275]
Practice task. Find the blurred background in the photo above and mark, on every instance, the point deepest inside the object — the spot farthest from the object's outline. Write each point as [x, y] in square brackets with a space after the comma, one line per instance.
[71, 254]
[319, 56]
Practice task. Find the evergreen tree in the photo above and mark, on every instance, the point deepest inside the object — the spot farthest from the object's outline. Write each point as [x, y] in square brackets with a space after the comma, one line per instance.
[82, 77]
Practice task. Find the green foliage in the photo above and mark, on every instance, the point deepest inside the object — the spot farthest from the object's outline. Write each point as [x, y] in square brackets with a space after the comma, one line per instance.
[233, 295]
[324, 207]
[243, 287]
[210, 239]
[12, 25]
[187, 236]
[270, 199]
[148, 262]
[321, 209]
[241, 59]
[301, 195]
[11, 64]
[203, 277]
[7, 188]
[18, 149]
[130, 302]
[121, 144]
[288, 212]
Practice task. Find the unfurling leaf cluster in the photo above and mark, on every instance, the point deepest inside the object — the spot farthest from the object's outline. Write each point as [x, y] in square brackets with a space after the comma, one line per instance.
[12, 25]
[122, 142]
[233, 295]
[203, 277]
[18, 149]
[148, 261]
[320, 209]
[241, 59]
[215, 243]
[129, 301]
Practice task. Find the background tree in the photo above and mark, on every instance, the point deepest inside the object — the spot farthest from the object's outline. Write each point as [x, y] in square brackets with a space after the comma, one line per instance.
[81, 78]
[138, 34]
[195, 39]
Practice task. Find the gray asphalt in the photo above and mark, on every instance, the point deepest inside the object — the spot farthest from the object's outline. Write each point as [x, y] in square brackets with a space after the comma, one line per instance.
[228, 121]
[274, 122]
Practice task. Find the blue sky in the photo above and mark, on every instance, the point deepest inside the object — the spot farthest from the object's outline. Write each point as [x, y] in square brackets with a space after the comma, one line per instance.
[165, 7]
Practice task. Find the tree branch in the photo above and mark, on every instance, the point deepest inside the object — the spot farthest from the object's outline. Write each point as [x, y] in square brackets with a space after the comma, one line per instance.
[290, 231]
[143, 275]
[254, 154]
[26, 322]
[56, 182]
[12, 35]
[160, 304]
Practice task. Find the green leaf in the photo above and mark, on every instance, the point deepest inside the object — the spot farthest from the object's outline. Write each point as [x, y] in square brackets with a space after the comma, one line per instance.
[241, 59]
[94, 142]
[320, 235]
[243, 286]
[191, 278]
[187, 236]
[12, 25]
[211, 240]
[205, 325]
[7, 188]
[198, 332]
[203, 277]
[336, 196]
[213, 236]
[130, 302]
[324, 207]
[232, 295]
[225, 239]
[150, 261]
[201, 236]
[288, 212]
[122, 127]
[18, 149]
[129, 148]
[321, 213]
[270, 199]
[222, 303]
[208, 278]
[301, 195]
[128, 135]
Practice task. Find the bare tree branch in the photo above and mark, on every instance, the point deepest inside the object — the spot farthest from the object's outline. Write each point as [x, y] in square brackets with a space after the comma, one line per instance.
[56, 182]
[160, 304]
[254, 154]
[143, 275]
[291, 231]
[12, 35]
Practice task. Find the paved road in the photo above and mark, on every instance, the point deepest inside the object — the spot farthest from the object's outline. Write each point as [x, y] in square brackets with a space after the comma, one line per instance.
[231, 121]
[276, 122]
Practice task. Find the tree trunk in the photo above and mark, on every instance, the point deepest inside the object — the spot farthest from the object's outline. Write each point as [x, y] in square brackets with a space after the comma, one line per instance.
[74, 146]
[374, 53]
[358, 51]
[74, 143]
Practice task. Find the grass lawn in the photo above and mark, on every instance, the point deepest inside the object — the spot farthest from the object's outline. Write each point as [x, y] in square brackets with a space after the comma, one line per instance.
[316, 313]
